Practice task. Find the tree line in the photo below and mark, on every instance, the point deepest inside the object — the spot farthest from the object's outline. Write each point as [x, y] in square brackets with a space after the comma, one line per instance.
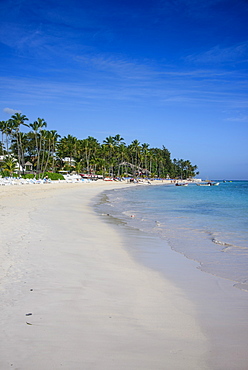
[46, 151]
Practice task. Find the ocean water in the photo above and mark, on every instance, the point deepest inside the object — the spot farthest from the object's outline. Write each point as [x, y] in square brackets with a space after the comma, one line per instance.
[205, 224]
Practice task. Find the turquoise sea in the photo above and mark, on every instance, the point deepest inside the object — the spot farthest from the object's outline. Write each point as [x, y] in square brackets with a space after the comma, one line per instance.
[205, 224]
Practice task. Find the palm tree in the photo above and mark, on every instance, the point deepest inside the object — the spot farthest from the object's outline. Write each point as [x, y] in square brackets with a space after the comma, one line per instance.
[181, 167]
[17, 120]
[188, 169]
[43, 148]
[109, 143]
[118, 144]
[1, 149]
[118, 140]
[134, 149]
[67, 147]
[122, 153]
[101, 163]
[47, 149]
[90, 147]
[6, 127]
[104, 154]
[78, 166]
[145, 152]
[2, 129]
[37, 126]
[54, 140]
[9, 164]
[152, 158]
[160, 162]
[22, 143]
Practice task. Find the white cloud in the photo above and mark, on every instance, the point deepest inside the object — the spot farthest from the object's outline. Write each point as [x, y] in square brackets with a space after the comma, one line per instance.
[238, 119]
[11, 111]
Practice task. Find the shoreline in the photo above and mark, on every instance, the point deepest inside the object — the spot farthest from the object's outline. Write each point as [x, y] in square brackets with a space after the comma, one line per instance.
[73, 298]
[221, 307]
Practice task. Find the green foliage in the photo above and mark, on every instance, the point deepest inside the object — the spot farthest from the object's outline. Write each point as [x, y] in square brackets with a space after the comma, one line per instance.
[54, 176]
[46, 151]
[9, 165]
[8, 173]
[50, 175]
[28, 176]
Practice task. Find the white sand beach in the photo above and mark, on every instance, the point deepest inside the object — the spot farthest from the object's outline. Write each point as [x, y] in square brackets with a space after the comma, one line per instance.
[73, 298]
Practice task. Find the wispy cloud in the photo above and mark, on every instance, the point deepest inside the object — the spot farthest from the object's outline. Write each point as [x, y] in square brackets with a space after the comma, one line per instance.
[236, 53]
[43, 28]
[128, 82]
[117, 66]
[11, 111]
[238, 119]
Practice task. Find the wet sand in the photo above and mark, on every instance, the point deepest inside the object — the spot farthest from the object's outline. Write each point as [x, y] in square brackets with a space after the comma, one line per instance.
[72, 297]
[222, 309]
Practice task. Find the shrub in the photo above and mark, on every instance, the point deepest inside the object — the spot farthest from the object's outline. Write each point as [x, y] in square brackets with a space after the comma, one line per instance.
[7, 173]
[28, 176]
[54, 176]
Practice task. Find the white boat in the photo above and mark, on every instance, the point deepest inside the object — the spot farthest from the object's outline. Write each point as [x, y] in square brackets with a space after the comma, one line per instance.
[209, 183]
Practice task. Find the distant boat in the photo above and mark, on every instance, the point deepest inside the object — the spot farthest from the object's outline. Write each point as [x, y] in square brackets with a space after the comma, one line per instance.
[213, 183]
[209, 183]
[182, 184]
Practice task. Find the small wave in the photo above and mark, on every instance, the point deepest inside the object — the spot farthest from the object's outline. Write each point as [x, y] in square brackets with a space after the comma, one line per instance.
[227, 246]
[242, 286]
[221, 243]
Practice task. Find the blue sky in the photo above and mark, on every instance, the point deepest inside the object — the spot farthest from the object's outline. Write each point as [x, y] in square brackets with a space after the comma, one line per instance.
[165, 72]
